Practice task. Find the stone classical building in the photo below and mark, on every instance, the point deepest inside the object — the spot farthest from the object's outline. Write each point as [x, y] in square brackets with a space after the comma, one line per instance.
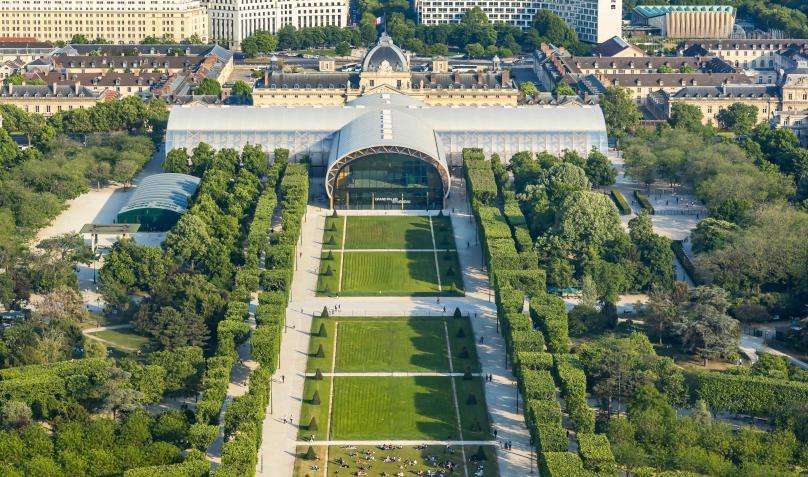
[231, 21]
[386, 69]
[687, 21]
[50, 99]
[594, 20]
[119, 21]
[760, 59]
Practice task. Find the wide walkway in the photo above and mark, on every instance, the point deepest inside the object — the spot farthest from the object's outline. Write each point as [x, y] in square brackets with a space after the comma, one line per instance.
[277, 452]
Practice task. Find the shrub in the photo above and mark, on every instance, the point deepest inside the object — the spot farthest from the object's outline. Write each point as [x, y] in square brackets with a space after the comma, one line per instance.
[572, 380]
[596, 453]
[320, 352]
[551, 437]
[581, 415]
[189, 468]
[534, 360]
[310, 454]
[684, 260]
[527, 341]
[644, 202]
[543, 412]
[315, 399]
[312, 424]
[201, 436]
[538, 385]
[754, 395]
[550, 313]
[562, 464]
[265, 343]
[480, 180]
[620, 202]
[528, 281]
[322, 333]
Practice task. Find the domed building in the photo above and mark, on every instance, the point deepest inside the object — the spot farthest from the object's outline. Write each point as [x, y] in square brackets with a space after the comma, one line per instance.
[386, 69]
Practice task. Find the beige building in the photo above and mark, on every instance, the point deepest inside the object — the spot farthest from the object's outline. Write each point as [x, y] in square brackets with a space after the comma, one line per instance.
[687, 21]
[796, 121]
[119, 21]
[712, 99]
[386, 69]
[50, 99]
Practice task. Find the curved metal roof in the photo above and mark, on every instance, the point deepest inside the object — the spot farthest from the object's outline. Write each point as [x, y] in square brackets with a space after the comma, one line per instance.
[386, 129]
[168, 191]
[385, 50]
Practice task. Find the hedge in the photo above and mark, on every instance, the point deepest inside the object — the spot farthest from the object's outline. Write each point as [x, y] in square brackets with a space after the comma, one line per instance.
[534, 360]
[551, 437]
[581, 415]
[538, 384]
[596, 453]
[191, 468]
[480, 181]
[753, 395]
[620, 202]
[684, 260]
[550, 313]
[266, 346]
[571, 379]
[543, 412]
[528, 281]
[562, 464]
[524, 241]
[527, 341]
[644, 202]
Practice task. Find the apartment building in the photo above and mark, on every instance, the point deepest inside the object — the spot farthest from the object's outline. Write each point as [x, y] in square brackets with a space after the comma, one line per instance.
[760, 58]
[595, 21]
[119, 21]
[232, 21]
[687, 21]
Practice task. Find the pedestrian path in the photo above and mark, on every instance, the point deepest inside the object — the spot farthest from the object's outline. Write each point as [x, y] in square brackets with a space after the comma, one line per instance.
[430, 250]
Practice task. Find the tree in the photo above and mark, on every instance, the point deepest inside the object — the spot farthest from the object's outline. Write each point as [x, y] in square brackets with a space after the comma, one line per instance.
[620, 111]
[475, 50]
[563, 89]
[170, 328]
[15, 414]
[260, 41]
[712, 234]
[528, 89]
[686, 116]
[208, 86]
[240, 88]
[586, 222]
[343, 48]
[599, 170]
[553, 29]
[177, 160]
[655, 252]
[741, 118]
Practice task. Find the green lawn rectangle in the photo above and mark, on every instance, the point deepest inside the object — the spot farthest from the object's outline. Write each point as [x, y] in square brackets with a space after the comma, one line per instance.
[393, 408]
[444, 234]
[332, 234]
[389, 273]
[399, 232]
[123, 339]
[328, 283]
[411, 345]
[473, 412]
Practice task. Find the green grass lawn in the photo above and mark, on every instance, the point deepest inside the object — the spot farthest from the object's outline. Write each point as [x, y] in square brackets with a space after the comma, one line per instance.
[462, 361]
[389, 273]
[328, 284]
[122, 339]
[444, 234]
[411, 345]
[388, 232]
[332, 234]
[393, 408]
[451, 276]
[428, 458]
[473, 416]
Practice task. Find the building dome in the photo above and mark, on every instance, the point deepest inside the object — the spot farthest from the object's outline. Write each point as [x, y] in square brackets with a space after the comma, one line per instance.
[385, 56]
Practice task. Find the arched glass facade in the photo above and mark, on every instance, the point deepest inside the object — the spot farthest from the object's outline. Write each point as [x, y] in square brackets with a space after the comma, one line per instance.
[388, 181]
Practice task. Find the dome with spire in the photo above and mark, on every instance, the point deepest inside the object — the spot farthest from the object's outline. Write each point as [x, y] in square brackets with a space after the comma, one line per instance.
[385, 56]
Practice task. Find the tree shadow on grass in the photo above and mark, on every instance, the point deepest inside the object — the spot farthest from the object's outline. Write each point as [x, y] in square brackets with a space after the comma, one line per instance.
[429, 343]
[437, 405]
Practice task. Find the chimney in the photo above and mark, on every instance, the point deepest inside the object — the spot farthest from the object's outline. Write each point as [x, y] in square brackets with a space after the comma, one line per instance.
[54, 86]
[456, 76]
[506, 77]
[480, 78]
[10, 88]
[76, 87]
[266, 78]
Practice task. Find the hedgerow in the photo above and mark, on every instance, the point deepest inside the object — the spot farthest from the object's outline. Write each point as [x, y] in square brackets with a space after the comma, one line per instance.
[596, 453]
[562, 464]
[754, 395]
[538, 384]
[550, 313]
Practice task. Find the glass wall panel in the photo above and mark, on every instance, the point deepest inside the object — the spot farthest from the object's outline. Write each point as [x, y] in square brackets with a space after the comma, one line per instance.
[388, 181]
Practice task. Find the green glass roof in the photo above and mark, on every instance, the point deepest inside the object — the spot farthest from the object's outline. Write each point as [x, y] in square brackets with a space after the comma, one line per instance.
[659, 10]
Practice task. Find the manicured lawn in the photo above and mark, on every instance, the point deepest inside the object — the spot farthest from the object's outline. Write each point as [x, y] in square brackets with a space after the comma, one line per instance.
[460, 360]
[473, 417]
[393, 408]
[332, 235]
[425, 458]
[444, 234]
[389, 273]
[388, 232]
[123, 339]
[328, 284]
[451, 276]
[411, 345]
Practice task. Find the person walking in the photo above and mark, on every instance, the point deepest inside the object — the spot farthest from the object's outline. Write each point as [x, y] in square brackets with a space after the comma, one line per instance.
[283, 378]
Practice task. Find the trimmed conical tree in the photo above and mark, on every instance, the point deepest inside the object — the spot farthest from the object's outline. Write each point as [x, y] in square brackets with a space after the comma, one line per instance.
[328, 272]
[450, 272]
[330, 255]
[464, 353]
[461, 333]
[457, 314]
[310, 454]
[471, 400]
[334, 213]
[322, 333]
[479, 456]
[312, 424]
[315, 399]
[324, 313]
[320, 352]
[318, 375]
[332, 227]
[467, 375]
[330, 240]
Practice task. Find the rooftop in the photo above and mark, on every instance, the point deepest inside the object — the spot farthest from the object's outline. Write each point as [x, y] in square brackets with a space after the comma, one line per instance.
[659, 10]
[163, 191]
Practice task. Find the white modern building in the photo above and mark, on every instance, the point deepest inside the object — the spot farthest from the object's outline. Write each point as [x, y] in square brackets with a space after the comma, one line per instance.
[118, 21]
[595, 20]
[232, 21]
